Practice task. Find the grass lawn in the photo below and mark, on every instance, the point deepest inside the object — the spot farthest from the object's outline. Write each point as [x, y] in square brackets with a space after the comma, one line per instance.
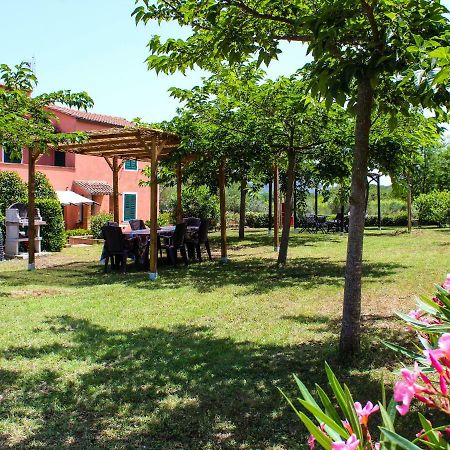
[193, 360]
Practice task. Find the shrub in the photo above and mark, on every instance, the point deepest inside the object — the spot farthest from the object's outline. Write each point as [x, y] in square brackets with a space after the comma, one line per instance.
[164, 218]
[257, 220]
[198, 202]
[434, 208]
[232, 219]
[43, 188]
[53, 233]
[77, 232]
[97, 221]
[12, 190]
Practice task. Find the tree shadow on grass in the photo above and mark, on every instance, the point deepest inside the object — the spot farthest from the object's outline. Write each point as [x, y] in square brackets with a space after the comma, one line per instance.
[182, 388]
[256, 276]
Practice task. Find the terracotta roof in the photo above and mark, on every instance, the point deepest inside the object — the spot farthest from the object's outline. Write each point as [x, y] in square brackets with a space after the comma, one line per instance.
[92, 117]
[95, 187]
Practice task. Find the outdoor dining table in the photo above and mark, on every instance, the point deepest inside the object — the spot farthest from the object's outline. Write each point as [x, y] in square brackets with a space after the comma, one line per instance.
[141, 238]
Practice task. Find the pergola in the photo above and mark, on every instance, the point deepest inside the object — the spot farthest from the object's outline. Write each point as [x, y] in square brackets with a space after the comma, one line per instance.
[139, 143]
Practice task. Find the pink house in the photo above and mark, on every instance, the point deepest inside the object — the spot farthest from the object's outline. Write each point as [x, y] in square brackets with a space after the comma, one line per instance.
[88, 176]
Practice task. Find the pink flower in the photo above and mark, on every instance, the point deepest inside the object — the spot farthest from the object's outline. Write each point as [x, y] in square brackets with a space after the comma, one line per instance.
[404, 393]
[347, 426]
[311, 442]
[405, 390]
[351, 444]
[446, 284]
[364, 413]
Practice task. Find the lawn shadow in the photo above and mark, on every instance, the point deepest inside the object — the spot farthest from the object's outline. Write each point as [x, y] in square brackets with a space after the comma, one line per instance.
[255, 275]
[182, 388]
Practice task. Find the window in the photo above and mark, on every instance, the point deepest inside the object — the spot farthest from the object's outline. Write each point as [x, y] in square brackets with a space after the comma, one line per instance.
[60, 159]
[131, 164]
[129, 206]
[10, 156]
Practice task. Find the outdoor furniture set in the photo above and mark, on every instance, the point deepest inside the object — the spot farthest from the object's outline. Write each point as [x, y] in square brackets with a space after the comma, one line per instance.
[185, 238]
[313, 224]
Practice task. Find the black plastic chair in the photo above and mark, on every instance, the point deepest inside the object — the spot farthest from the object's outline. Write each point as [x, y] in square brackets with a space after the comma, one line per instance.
[200, 237]
[192, 221]
[174, 243]
[137, 224]
[116, 246]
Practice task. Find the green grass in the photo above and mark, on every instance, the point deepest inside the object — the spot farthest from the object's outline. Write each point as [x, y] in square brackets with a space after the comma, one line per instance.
[193, 360]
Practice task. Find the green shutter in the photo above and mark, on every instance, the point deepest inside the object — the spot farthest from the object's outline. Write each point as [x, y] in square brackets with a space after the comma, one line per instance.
[131, 164]
[129, 208]
[11, 155]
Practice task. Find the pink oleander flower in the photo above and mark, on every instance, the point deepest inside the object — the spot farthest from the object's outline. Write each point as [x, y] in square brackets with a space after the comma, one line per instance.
[377, 446]
[404, 391]
[446, 284]
[311, 442]
[364, 413]
[442, 352]
[351, 444]
[347, 426]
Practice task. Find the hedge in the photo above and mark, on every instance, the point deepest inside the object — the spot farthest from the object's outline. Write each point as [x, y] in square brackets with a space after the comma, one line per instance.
[78, 232]
[392, 220]
[43, 187]
[53, 233]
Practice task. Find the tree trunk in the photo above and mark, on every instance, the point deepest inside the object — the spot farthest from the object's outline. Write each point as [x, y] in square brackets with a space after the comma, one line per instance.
[242, 209]
[284, 244]
[409, 203]
[351, 318]
[31, 209]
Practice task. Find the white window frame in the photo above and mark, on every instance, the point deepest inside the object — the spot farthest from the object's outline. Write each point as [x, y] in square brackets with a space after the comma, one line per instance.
[131, 170]
[123, 205]
[6, 162]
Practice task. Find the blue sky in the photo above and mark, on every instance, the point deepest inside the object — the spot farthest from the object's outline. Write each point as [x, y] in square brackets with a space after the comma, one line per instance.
[95, 46]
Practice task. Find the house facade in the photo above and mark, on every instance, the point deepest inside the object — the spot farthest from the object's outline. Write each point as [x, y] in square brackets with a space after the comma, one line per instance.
[88, 176]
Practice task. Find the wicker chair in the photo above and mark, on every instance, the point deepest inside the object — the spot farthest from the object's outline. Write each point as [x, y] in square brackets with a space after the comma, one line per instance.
[116, 246]
[174, 243]
[200, 237]
[137, 224]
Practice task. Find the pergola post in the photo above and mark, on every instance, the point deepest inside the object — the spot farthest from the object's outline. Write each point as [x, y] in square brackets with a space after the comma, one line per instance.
[153, 272]
[276, 207]
[270, 207]
[115, 168]
[223, 221]
[379, 201]
[31, 209]
[316, 202]
[179, 185]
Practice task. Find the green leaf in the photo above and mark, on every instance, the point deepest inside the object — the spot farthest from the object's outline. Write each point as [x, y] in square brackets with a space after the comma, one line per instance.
[398, 440]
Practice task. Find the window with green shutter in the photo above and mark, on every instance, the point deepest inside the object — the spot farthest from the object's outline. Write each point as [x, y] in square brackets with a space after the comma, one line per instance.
[131, 164]
[129, 207]
[11, 155]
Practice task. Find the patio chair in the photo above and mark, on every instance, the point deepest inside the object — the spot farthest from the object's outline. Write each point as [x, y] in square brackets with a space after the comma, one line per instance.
[321, 223]
[116, 246]
[198, 238]
[174, 243]
[192, 221]
[137, 224]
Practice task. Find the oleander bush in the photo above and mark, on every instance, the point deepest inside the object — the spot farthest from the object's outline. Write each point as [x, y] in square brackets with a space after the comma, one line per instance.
[337, 422]
[97, 221]
[53, 233]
